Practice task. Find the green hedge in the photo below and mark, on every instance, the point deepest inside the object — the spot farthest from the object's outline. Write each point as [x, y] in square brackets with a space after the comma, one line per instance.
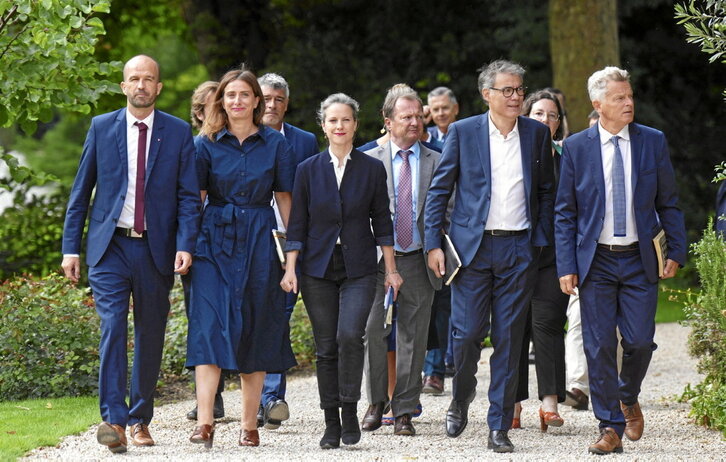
[707, 342]
[49, 338]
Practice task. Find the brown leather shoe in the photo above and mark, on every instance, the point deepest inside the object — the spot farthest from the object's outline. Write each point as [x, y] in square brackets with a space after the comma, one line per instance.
[140, 435]
[249, 438]
[577, 399]
[403, 426]
[433, 385]
[203, 434]
[634, 421]
[372, 418]
[113, 436]
[608, 443]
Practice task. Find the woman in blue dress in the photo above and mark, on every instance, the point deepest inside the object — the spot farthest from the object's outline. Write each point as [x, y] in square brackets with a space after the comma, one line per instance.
[237, 313]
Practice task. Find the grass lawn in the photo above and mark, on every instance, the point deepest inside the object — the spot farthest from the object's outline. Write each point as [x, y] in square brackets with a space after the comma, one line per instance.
[25, 425]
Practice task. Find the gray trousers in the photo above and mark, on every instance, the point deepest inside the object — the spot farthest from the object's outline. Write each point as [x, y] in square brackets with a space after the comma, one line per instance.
[414, 312]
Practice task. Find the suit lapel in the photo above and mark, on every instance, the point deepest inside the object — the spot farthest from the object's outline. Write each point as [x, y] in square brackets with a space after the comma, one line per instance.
[595, 149]
[425, 173]
[636, 151]
[123, 153]
[525, 146]
[482, 141]
[156, 137]
[383, 153]
[330, 184]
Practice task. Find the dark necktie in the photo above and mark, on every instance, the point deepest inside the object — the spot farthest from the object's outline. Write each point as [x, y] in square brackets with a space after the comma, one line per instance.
[404, 204]
[618, 177]
[140, 178]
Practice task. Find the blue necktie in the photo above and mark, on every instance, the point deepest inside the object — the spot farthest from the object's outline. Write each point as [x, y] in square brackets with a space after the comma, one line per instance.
[618, 177]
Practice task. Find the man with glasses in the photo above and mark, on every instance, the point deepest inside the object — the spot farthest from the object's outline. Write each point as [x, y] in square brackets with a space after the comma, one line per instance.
[501, 166]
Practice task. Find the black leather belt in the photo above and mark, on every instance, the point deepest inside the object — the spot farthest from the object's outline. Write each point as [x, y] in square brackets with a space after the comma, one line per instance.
[129, 232]
[396, 253]
[504, 232]
[620, 248]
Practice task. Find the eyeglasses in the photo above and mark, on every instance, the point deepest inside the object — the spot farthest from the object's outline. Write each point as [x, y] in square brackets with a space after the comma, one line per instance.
[541, 115]
[507, 92]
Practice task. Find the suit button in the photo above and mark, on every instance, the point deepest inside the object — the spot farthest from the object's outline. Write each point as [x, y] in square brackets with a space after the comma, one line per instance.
[115, 220]
[123, 198]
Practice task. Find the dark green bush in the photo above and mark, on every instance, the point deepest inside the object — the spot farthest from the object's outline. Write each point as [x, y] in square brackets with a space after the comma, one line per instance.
[48, 339]
[707, 342]
[31, 230]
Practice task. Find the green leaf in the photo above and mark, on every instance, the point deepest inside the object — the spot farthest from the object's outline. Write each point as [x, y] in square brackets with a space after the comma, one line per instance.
[76, 22]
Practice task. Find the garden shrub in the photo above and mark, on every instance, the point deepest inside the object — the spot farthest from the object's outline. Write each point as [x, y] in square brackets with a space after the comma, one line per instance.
[707, 341]
[48, 339]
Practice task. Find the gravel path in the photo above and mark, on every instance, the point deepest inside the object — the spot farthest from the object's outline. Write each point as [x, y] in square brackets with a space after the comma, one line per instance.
[669, 434]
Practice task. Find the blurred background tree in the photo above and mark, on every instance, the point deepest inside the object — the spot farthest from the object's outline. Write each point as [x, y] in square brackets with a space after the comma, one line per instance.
[362, 47]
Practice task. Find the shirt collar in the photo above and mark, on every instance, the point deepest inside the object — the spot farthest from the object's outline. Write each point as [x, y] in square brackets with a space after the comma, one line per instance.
[605, 135]
[415, 149]
[334, 160]
[494, 131]
[131, 120]
[262, 133]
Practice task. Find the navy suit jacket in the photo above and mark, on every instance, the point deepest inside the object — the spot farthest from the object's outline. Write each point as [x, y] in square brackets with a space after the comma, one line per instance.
[171, 193]
[580, 204]
[304, 144]
[321, 213]
[465, 163]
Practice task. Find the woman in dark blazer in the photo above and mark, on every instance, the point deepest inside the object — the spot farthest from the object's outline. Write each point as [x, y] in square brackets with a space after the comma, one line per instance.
[339, 195]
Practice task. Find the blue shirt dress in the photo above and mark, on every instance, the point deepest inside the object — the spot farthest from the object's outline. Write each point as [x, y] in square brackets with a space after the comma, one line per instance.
[237, 317]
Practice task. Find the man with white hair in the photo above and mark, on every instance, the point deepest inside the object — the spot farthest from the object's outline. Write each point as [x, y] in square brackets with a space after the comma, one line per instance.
[617, 191]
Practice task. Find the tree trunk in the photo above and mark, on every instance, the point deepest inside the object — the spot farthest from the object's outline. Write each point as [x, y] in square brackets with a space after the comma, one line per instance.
[583, 39]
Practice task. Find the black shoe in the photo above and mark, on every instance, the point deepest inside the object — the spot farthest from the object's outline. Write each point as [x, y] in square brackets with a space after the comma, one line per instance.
[373, 416]
[456, 418]
[260, 416]
[349, 421]
[276, 411]
[450, 371]
[192, 415]
[218, 406]
[499, 441]
[331, 437]
[403, 426]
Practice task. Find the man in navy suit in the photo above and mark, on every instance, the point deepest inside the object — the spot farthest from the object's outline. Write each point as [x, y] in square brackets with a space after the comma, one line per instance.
[142, 229]
[616, 192]
[501, 166]
[444, 109]
[273, 407]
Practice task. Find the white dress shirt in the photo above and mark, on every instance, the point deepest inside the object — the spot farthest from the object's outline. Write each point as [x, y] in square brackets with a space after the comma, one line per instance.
[126, 220]
[508, 202]
[339, 171]
[607, 149]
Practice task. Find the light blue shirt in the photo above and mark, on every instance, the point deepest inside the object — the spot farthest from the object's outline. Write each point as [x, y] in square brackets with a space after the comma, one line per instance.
[396, 162]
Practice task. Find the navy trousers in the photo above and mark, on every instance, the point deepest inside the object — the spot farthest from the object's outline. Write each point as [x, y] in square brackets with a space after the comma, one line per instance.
[616, 293]
[493, 291]
[127, 269]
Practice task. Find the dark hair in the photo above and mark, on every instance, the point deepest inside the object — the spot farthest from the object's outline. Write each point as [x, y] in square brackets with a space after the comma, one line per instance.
[544, 94]
[217, 120]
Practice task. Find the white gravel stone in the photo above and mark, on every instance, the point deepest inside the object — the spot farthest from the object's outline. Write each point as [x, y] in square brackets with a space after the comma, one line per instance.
[669, 435]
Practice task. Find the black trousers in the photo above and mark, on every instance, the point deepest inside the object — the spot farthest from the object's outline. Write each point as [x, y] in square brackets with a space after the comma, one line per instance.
[338, 308]
[546, 328]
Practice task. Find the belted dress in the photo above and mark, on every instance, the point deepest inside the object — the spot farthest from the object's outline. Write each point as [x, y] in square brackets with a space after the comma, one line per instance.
[237, 315]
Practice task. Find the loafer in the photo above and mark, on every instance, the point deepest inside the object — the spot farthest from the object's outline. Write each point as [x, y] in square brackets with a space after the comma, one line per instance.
[276, 411]
[577, 399]
[457, 418]
[203, 434]
[140, 435]
[260, 416]
[634, 421]
[433, 385]
[499, 441]
[607, 443]
[249, 438]
[113, 436]
[218, 408]
[403, 426]
[373, 417]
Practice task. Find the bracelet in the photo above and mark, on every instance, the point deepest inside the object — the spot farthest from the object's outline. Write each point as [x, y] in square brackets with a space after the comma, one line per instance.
[391, 272]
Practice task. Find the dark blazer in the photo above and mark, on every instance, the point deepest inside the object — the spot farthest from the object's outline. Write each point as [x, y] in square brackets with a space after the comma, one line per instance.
[428, 161]
[320, 213]
[580, 205]
[171, 193]
[465, 163]
[304, 144]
